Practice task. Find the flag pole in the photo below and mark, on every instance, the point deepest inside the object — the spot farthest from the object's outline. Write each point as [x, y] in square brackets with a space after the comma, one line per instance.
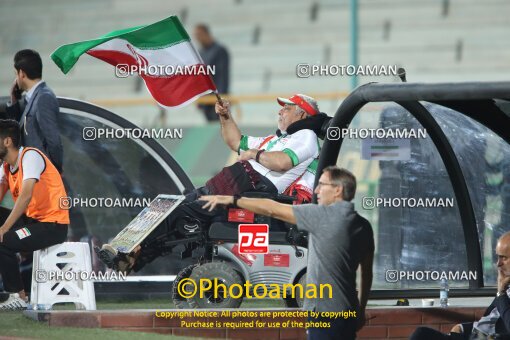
[218, 96]
[226, 117]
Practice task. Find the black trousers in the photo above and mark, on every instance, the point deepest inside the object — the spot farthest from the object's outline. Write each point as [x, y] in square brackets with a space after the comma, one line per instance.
[26, 235]
[426, 333]
[339, 329]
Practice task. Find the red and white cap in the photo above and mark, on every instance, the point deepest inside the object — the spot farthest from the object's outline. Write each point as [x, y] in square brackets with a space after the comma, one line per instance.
[308, 104]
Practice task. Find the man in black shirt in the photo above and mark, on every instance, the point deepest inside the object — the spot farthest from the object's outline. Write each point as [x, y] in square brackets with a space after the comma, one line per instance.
[215, 54]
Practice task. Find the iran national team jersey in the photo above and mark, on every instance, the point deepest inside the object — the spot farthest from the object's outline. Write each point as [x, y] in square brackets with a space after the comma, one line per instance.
[302, 148]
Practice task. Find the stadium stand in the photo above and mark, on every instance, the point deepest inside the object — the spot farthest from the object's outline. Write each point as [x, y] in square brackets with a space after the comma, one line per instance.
[435, 41]
[415, 34]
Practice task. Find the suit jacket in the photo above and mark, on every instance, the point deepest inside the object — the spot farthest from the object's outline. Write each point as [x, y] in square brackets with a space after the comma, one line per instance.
[502, 303]
[39, 123]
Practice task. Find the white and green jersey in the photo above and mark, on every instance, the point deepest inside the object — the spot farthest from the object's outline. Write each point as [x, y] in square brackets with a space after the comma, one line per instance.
[306, 181]
[302, 147]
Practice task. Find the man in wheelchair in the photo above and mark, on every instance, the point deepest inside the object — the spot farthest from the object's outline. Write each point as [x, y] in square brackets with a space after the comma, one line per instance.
[282, 163]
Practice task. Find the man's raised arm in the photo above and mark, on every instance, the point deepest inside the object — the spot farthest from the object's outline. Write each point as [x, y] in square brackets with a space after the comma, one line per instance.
[262, 206]
[229, 130]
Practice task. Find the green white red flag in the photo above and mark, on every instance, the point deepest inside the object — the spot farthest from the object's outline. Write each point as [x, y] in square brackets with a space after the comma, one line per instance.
[161, 53]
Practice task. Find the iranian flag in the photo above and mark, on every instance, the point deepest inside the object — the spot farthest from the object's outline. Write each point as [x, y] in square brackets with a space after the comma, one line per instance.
[161, 53]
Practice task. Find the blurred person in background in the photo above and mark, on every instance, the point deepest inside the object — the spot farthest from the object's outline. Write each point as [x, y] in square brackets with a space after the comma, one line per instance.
[38, 119]
[215, 54]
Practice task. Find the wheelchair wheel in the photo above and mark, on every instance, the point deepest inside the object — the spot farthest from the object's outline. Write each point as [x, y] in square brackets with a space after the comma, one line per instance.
[179, 301]
[297, 302]
[226, 277]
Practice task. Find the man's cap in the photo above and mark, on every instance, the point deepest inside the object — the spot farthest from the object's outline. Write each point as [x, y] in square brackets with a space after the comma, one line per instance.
[308, 104]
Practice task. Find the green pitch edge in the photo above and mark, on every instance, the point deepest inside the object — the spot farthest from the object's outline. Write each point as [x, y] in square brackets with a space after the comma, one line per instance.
[195, 141]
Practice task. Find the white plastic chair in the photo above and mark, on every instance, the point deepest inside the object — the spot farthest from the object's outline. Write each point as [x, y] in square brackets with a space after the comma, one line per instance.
[57, 276]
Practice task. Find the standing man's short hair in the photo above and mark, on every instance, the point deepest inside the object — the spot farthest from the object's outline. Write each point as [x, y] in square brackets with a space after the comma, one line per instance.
[10, 128]
[30, 62]
[203, 27]
[342, 177]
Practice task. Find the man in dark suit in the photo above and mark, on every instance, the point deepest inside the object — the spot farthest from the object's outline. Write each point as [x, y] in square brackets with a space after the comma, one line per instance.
[495, 323]
[38, 120]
